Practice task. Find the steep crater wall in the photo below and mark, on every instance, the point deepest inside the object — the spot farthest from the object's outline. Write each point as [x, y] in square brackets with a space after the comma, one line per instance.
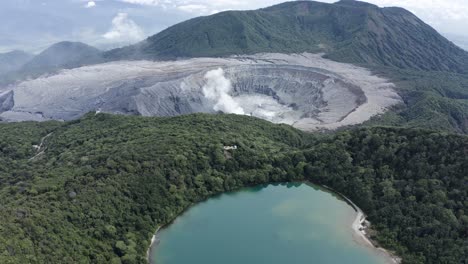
[303, 90]
[278, 93]
[289, 93]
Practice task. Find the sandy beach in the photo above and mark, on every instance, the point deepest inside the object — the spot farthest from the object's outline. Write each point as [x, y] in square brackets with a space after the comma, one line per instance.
[359, 226]
[153, 240]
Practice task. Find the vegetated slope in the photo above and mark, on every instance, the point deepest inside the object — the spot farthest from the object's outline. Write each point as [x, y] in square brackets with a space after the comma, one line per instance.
[104, 183]
[432, 100]
[13, 60]
[347, 31]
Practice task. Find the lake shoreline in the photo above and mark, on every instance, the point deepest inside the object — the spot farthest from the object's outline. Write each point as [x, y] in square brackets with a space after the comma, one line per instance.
[154, 238]
[360, 225]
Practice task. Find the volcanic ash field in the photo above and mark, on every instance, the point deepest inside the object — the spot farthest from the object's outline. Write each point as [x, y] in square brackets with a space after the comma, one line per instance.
[303, 90]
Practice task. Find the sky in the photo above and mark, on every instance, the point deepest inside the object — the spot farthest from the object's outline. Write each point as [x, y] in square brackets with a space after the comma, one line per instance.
[33, 25]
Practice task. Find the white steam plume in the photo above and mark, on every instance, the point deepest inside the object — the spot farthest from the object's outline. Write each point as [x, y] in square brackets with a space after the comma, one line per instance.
[217, 89]
[124, 30]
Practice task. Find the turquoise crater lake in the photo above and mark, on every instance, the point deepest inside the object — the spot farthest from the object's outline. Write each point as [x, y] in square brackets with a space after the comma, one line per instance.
[288, 223]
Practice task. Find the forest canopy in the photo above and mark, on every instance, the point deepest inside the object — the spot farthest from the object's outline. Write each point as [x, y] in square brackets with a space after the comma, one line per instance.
[94, 190]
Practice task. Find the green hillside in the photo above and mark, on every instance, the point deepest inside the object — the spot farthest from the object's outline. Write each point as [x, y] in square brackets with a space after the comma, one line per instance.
[432, 100]
[98, 187]
[347, 31]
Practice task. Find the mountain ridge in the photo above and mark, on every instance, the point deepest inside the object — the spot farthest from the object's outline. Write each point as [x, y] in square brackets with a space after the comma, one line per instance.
[65, 54]
[13, 60]
[347, 31]
[61, 55]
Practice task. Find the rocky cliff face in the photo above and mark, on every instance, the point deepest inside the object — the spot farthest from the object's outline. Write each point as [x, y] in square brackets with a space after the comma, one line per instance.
[302, 90]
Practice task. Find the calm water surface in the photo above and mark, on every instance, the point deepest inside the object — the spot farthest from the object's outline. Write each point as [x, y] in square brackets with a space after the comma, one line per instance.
[290, 223]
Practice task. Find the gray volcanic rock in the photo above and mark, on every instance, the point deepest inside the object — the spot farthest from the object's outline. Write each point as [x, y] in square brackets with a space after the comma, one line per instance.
[6, 101]
[303, 90]
[290, 93]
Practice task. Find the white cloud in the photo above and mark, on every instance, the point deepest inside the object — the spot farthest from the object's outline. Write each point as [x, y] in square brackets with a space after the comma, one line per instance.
[194, 8]
[124, 30]
[204, 7]
[144, 2]
[90, 4]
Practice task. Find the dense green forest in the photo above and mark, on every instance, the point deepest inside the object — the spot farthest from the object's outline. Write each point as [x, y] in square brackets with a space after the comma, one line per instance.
[432, 100]
[98, 187]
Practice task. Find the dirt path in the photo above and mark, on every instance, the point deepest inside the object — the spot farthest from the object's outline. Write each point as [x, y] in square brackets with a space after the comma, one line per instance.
[40, 148]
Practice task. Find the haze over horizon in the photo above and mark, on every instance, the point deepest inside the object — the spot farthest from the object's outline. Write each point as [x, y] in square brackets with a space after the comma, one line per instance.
[113, 23]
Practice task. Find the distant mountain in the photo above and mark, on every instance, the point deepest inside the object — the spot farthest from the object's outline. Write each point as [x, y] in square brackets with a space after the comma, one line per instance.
[461, 41]
[12, 61]
[348, 31]
[63, 55]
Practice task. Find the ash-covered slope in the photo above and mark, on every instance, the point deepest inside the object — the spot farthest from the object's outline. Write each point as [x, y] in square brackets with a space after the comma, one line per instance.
[305, 90]
[348, 31]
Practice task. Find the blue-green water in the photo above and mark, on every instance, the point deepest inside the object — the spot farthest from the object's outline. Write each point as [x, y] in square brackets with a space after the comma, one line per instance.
[290, 223]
